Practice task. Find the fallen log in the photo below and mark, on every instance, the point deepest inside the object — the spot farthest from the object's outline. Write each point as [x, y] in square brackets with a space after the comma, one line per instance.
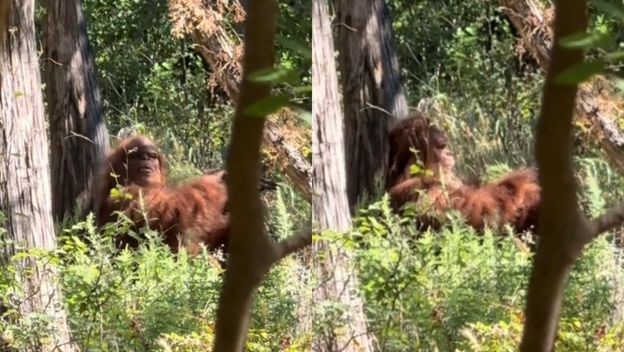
[596, 103]
[205, 25]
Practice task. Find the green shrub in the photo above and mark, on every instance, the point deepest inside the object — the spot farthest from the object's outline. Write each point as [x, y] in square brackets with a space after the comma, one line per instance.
[148, 298]
[457, 289]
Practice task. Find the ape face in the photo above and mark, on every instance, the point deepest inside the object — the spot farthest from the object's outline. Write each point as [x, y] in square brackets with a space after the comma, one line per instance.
[440, 153]
[143, 162]
[415, 140]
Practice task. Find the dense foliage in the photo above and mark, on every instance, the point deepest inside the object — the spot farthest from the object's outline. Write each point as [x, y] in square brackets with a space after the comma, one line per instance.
[463, 64]
[468, 69]
[151, 299]
[152, 82]
[455, 289]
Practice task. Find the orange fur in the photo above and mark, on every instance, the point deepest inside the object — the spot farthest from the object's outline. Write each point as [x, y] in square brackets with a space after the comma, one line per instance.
[514, 199]
[193, 212]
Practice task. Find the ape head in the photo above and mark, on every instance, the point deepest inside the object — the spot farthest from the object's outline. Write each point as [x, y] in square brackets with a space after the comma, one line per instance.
[416, 140]
[144, 163]
[136, 160]
[513, 199]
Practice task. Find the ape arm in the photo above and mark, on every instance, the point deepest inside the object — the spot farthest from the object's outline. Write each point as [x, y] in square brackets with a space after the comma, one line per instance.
[404, 192]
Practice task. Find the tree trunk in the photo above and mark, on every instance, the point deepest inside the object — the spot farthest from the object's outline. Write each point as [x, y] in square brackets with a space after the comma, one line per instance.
[205, 27]
[561, 221]
[251, 251]
[78, 135]
[330, 202]
[371, 89]
[534, 24]
[24, 165]
[564, 231]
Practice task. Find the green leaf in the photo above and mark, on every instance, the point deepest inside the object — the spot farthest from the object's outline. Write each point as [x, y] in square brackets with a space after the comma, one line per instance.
[296, 46]
[615, 56]
[306, 116]
[302, 89]
[619, 84]
[114, 193]
[273, 75]
[609, 9]
[586, 40]
[580, 72]
[267, 106]
[415, 169]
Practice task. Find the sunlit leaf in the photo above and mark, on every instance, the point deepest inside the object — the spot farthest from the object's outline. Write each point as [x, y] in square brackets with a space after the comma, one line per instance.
[619, 84]
[609, 9]
[273, 75]
[586, 40]
[267, 106]
[415, 169]
[581, 72]
[306, 116]
[296, 46]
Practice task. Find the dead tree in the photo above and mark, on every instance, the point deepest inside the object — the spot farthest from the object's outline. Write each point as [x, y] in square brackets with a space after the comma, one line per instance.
[332, 265]
[25, 194]
[204, 23]
[371, 90]
[78, 134]
[534, 24]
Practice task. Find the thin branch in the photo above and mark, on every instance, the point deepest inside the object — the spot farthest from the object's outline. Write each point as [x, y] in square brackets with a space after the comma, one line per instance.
[295, 242]
[614, 217]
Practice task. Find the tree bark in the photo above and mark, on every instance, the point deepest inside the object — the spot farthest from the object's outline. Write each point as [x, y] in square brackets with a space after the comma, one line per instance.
[251, 250]
[564, 231]
[534, 24]
[24, 166]
[204, 26]
[78, 135]
[371, 89]
[330, 203]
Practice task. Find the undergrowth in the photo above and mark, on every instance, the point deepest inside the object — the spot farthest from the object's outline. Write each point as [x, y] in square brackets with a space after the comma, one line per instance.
[151, 299]
[455, 289]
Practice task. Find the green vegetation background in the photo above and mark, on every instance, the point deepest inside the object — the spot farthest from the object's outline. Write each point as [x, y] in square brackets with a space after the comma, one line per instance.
[150, 299]
[450, 290]
[463, 64]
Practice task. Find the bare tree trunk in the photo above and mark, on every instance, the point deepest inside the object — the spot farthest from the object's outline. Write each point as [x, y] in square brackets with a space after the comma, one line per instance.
[534, 22]
[371, 89]
[205, 27]
[338, 281]
[251, 250]
[564, 231]
[78, 135]
[24, 165]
